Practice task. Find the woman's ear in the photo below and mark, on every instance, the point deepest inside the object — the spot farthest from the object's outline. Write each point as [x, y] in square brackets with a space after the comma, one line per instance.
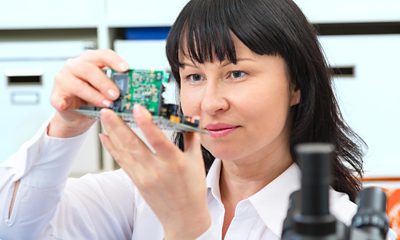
[295, 96]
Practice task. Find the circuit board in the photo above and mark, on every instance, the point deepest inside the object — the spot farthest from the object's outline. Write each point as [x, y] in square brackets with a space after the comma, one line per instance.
[145, 87]
[139, 86]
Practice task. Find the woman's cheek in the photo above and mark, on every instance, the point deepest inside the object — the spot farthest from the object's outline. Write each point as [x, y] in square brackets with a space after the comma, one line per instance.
[190, 101]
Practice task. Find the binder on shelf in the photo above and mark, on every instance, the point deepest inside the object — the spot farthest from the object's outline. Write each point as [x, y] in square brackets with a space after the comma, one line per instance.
[146, 33]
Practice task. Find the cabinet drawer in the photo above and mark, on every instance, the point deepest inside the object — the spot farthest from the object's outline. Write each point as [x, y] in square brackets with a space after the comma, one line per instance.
[27, 71]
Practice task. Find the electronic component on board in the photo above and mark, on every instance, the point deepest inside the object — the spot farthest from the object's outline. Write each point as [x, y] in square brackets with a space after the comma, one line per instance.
[145, 87]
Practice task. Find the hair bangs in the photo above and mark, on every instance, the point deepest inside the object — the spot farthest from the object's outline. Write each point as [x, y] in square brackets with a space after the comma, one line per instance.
[207, 41]
[202, 34]
[204, 29]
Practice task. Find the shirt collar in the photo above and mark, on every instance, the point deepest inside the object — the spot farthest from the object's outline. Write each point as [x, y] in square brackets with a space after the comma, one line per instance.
[213, 179]
[272, 201]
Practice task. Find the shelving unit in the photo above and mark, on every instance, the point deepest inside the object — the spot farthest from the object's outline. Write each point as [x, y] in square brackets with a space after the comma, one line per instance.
[103, 22]
[350, 11]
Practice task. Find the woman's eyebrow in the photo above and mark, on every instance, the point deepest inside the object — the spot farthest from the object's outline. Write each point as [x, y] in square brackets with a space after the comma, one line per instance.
[238, 60]
[185, 64]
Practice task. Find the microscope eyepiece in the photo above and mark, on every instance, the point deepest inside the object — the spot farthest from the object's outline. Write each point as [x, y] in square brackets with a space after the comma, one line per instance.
[371, 214]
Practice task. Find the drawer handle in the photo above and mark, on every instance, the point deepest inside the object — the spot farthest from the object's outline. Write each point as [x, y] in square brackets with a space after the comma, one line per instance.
[22, 79]
[346, 71]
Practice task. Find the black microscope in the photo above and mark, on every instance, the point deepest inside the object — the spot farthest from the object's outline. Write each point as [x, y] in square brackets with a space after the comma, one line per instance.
[308, 216]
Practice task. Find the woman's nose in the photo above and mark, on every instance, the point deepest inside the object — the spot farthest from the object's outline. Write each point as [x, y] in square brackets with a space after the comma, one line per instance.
[214, 100]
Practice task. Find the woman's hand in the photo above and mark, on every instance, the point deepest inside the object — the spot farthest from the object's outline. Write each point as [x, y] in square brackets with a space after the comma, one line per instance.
[171, 181]
[82, 81]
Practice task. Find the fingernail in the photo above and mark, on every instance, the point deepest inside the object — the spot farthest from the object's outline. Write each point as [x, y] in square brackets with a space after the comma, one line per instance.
[106, 103]
[124, 66]
[113, 94]
[101, 112]
[139, 111]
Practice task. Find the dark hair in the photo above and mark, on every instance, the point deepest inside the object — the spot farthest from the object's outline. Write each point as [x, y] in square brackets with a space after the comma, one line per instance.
[273, 27]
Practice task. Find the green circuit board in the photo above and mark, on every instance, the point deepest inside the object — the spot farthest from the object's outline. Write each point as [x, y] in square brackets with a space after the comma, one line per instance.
[140, 86]
[144, 87]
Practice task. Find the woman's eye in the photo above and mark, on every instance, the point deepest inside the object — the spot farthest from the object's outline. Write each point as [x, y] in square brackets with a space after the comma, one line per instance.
[194, 77]
[238, 74]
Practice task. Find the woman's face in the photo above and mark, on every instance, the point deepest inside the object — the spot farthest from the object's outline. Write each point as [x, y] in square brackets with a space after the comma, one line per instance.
[244, 106]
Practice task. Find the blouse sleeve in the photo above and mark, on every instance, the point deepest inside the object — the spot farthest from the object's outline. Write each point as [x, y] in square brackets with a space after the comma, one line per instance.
[95, 206]
[47, 205]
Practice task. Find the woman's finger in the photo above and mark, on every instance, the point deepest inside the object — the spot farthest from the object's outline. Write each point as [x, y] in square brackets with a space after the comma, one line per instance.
[192, 144]
[156, 138]
[69, 86]
[106, 58]
[90, 73]
[121, 135]
[115, 127]
[107, 143]
[58, 101]
[133, 168]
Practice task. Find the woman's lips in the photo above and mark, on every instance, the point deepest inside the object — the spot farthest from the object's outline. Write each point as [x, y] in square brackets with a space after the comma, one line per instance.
[220, 129]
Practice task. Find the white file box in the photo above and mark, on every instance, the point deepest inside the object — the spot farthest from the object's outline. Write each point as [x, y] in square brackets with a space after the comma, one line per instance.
[27, 70]
[369, 97]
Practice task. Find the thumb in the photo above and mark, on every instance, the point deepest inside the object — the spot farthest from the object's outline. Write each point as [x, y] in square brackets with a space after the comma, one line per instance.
[192, 144]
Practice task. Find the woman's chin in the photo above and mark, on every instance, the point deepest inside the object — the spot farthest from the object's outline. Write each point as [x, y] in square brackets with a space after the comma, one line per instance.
[225, 150]
[227, 155]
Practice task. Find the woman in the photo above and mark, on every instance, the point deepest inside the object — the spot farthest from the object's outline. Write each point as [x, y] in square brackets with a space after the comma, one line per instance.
[253, 71]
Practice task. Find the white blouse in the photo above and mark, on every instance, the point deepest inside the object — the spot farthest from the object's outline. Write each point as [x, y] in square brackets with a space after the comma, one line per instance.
[49, 205]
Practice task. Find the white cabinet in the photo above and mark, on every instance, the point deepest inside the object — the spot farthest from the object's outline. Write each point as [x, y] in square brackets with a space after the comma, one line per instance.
[350, 11]
[369, 99]
[24, 14]
[27, 70]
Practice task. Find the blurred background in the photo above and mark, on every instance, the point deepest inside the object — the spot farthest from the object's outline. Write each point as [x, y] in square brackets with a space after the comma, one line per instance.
[360, 38]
